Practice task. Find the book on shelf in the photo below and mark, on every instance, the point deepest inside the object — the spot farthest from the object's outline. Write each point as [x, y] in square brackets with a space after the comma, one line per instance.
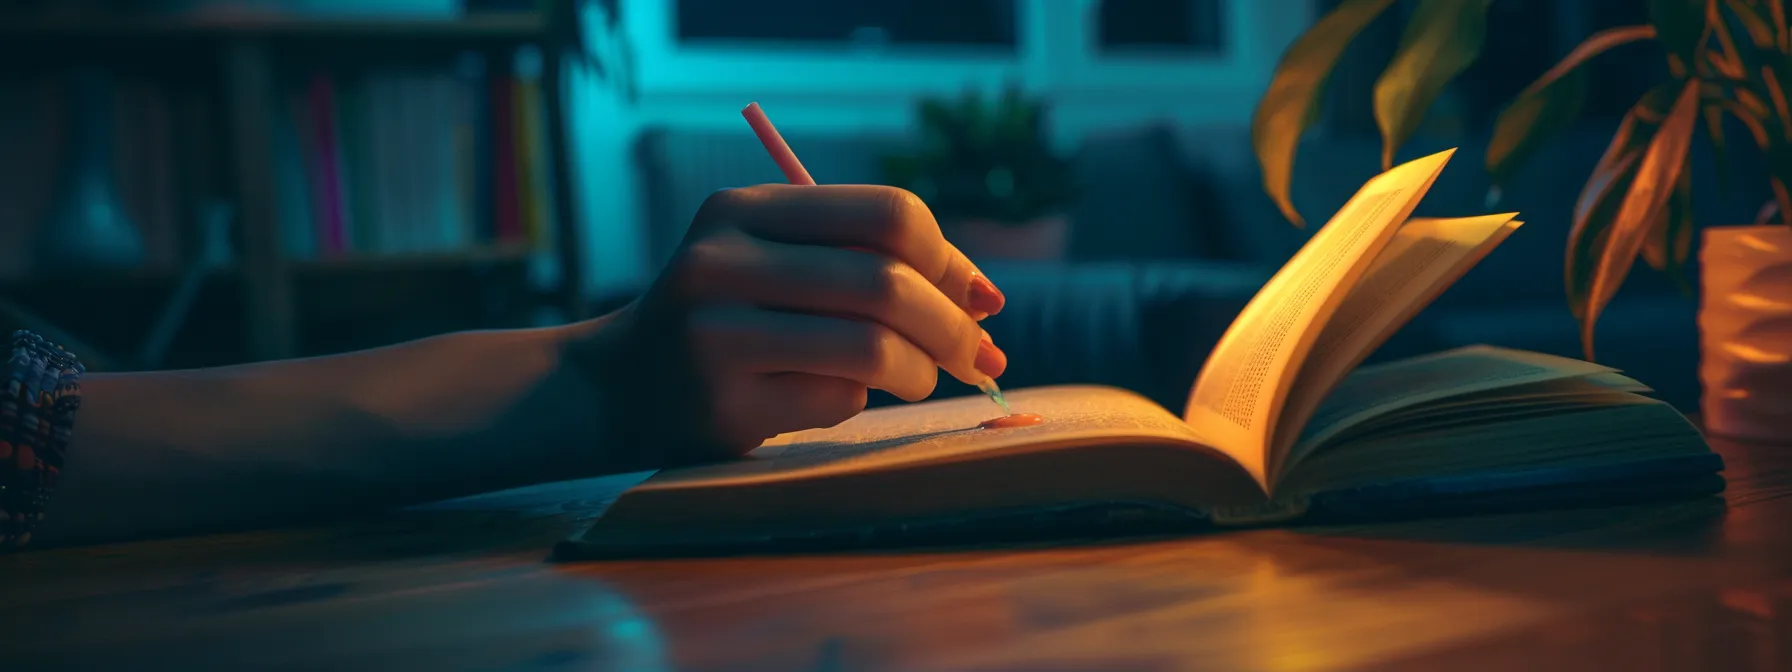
[1283, 425]
[399, 161]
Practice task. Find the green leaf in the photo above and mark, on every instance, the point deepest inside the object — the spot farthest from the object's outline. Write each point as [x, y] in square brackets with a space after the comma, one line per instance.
[1604, 192]
[1668, 242]
[1292, 102]
[1443, 38]
[1549, 105]
[1760, 32]
[1776, 13]
[1598, 204]
[1646, 200]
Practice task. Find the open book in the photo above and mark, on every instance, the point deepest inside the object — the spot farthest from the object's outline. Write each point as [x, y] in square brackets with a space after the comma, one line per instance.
[1282, 424]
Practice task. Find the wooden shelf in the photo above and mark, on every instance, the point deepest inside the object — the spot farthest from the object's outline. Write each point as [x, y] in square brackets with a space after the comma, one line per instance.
[156, 28]
[241, 58]
[348, 264]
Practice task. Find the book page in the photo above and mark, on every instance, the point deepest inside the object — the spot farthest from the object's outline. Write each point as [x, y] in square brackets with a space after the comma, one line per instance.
[1374, 391]
[1246, 377]
[1425, 257]
[931, 431]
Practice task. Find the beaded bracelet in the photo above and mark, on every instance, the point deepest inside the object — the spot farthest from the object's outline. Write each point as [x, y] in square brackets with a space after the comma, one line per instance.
[37, 413]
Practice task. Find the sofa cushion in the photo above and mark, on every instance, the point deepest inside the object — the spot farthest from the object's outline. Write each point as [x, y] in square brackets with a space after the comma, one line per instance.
[1136, 199]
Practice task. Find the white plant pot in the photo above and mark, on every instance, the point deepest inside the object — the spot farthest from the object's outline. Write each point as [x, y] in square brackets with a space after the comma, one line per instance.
[1745, 331]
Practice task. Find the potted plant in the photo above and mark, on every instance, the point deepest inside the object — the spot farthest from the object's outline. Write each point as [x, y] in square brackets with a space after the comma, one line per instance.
[1726, 59]
[989, 174]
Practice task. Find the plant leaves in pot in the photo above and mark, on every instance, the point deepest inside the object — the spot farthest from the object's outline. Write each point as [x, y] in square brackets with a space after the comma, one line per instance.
[1727, 59]
[987, 171]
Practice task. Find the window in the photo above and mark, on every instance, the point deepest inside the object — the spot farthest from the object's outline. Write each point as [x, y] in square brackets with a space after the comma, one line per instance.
[1161, 26]
[980, 24]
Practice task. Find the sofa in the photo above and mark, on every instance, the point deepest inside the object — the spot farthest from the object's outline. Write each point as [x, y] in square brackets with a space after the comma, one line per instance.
[1173, 235]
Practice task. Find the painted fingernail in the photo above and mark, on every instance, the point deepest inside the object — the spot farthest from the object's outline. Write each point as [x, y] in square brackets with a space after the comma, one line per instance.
[984, 297]
[991, 361]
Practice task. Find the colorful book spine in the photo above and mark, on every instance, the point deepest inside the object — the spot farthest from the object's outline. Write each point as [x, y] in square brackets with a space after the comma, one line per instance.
[359, 188]
[464, 100]
[507, 225]
[328, 172]
[532, 171]
[484, 203]
[297, 225]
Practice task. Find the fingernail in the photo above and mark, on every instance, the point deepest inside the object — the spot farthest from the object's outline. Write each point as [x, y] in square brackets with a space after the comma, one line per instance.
[984, 297]
[991, 361]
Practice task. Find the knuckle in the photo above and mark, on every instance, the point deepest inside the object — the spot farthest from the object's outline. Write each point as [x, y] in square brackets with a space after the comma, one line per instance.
[875, 350]
[726, 201]
[691, 272]
[887, 284]
[725, 206]
[902, 210]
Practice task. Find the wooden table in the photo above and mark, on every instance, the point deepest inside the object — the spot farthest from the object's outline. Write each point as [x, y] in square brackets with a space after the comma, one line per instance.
[1699, 585]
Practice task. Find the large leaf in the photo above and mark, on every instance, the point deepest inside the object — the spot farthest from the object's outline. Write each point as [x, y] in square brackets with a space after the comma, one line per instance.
[1776, 13]
[1443, 38]
[1598, 204]
[1646, 200]
[1669, 240]
[1291, 104]
[1605, 189]
[1760, 32]
[1550, 104]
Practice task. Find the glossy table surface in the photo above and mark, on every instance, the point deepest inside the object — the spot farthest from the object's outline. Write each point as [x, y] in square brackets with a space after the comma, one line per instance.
[1692, 585]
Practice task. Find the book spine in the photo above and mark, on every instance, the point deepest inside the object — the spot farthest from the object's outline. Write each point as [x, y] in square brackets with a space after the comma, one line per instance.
[292, 191]
[484, 141]
[535, 157]
[313, 156]
[409, 228]
[383, 152]
[505, 212]
[329, 172]
[359, 187]
[464, 101]
[444, 189]
[523, 137]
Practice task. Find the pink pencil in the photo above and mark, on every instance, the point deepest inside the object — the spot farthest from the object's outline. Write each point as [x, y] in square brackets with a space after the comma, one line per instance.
[774, 145]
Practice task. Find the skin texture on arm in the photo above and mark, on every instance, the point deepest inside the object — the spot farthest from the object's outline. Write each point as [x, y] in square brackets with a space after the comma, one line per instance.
[300, 441]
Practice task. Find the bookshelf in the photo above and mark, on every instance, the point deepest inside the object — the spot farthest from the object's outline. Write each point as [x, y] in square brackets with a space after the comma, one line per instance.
[250, 63]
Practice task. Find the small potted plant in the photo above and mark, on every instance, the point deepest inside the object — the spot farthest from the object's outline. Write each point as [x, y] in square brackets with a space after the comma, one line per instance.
[1726, 59]
[989, 174]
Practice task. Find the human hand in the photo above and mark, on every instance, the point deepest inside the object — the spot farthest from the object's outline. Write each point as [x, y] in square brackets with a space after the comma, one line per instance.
[780, 309]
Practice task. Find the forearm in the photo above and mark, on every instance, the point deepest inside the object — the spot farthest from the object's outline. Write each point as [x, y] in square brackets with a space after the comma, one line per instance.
[158, 454]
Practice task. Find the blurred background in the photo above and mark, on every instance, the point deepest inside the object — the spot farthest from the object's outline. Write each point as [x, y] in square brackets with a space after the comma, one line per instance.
[201, 182]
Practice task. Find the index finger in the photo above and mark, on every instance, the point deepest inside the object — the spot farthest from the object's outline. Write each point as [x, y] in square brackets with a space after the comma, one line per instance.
[883, 219]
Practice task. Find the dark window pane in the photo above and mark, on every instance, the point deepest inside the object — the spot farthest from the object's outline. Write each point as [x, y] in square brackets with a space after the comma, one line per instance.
[1162, 26]
[973, 23]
